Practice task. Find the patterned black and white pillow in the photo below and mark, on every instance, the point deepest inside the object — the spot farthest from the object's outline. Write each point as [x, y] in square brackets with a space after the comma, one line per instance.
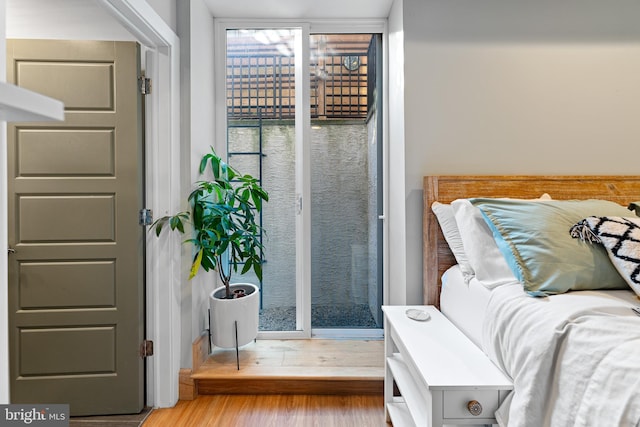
[621, 238]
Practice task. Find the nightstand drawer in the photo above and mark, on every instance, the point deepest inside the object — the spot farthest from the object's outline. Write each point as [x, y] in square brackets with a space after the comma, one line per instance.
[456, 403]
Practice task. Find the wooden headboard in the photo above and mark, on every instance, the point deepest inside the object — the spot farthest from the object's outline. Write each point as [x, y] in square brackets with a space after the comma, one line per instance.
[437, 257]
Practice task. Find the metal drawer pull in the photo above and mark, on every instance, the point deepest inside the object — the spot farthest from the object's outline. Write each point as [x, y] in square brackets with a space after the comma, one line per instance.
[474, 407]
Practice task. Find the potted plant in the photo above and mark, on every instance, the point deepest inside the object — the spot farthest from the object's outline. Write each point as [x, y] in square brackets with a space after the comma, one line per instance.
[226, 235]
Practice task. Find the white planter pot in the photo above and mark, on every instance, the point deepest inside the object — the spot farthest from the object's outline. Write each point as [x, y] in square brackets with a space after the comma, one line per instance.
[226, 312]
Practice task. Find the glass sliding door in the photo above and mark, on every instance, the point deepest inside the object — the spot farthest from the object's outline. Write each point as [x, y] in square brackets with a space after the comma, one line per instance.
[303, 113]
[346, 284]
[261, 141]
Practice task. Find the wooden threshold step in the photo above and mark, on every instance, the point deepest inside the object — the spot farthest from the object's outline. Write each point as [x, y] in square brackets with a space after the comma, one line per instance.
[310, 366]
[267, 385]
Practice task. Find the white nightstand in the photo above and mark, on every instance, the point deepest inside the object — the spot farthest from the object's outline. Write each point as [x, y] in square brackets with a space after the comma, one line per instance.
[443, 378]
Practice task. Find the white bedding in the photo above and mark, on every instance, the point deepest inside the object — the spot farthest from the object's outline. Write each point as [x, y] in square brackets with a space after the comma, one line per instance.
[464, 304]
[574, 358]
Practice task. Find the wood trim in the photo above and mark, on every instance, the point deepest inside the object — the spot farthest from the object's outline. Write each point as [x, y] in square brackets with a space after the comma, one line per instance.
[187, 385]
[437, 257]
[199, 351]
[187, 389]
[311, 366]
[290, 386]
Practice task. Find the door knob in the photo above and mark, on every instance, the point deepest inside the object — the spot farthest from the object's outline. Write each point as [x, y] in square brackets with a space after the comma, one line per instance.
[474, 407]
[11, 250]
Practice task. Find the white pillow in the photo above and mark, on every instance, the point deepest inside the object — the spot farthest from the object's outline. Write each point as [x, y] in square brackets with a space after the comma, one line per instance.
[447, 221]
[485, 258]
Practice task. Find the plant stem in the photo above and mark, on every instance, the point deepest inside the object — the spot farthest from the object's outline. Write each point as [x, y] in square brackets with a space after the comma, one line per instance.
[226, 278]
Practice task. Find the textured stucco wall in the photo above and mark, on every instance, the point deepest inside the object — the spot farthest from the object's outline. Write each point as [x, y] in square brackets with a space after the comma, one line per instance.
[339, 206]
[341, 210]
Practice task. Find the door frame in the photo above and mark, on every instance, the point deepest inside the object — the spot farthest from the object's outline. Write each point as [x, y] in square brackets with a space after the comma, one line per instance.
[162, 192]
[302, 175]
[303, 153]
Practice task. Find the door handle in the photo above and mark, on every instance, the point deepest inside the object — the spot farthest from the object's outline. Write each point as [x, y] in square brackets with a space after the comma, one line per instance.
[11, 250]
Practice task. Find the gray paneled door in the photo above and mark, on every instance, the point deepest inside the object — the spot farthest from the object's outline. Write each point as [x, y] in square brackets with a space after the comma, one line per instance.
[76, 286]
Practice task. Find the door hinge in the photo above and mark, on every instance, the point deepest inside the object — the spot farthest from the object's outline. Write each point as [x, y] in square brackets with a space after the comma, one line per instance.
[146, 348]
[145, 85]
[145, 217]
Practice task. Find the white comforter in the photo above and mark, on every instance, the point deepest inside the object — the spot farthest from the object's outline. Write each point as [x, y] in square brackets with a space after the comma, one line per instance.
[574, 358]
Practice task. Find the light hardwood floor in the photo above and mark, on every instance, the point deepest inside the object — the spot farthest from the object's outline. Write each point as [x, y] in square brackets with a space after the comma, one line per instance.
[273, 411]
[278, 385]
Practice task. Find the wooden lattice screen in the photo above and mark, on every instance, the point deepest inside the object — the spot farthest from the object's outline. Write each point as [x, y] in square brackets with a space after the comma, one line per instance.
[261, 80]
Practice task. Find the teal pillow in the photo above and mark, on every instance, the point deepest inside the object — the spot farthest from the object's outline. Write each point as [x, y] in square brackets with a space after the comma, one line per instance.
[535, 240]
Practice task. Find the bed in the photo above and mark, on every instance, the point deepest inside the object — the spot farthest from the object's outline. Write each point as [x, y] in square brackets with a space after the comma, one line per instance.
[573, 354]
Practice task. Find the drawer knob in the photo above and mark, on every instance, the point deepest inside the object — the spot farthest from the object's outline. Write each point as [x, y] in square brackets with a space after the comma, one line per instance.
[474, 407]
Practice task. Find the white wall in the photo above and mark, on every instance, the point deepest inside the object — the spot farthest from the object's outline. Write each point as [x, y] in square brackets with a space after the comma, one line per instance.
[168, 11]
[397, 235]
[196, 32]
[495, 87]
[62, 20]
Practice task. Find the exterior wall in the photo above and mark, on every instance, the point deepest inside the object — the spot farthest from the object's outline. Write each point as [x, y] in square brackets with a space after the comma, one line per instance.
[279, 214]
[341, 187]
[514, 88]
[372, 296]
[339, 213]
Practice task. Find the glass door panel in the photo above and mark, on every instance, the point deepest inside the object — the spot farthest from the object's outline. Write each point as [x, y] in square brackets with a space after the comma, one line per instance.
[260, 97]
[345, 283]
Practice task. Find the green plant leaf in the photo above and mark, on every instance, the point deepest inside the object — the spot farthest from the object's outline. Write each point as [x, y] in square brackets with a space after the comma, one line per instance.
[208, 262]
[198, 213]
[257, 200]
[257, 268]
[224, 244]
[230, 173]
[203, 163]
[176, 222]
[247, 266]
[215, 166]
[158, 227]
